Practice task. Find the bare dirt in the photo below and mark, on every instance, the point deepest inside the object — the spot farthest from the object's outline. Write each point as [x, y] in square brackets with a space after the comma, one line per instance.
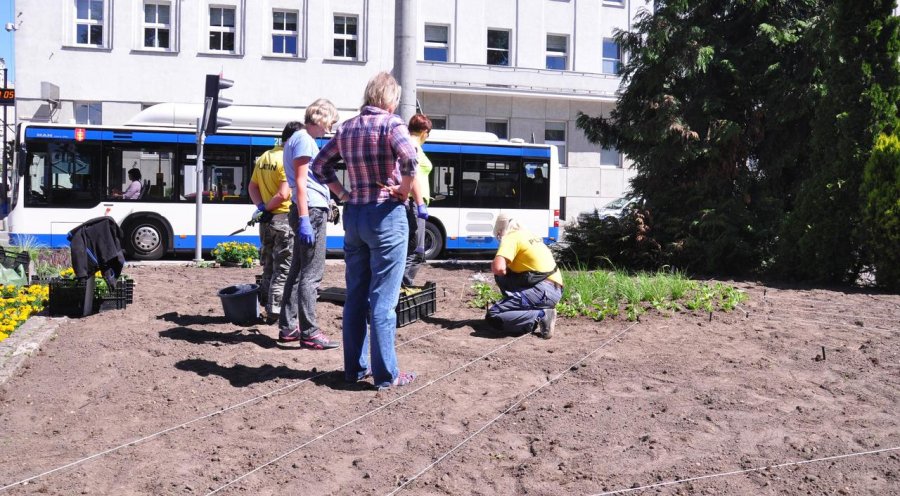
[166, 397]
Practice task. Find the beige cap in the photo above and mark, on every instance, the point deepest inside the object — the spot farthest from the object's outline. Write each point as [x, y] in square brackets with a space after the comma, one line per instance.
[500, 225]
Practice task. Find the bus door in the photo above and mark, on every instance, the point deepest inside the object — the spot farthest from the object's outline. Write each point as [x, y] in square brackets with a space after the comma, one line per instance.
[487, 185]
[64, 175]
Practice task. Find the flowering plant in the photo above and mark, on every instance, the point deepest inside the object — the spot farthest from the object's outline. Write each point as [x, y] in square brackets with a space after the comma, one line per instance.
[17, 303]
[101, 288]
[232, 252]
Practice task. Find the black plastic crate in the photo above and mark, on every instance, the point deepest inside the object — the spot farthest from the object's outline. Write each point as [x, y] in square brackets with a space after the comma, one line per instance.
[417, 305]
[67, 297]
[14, 260]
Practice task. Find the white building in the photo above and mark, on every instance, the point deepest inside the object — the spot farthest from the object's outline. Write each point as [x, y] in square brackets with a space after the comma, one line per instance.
[519, 68]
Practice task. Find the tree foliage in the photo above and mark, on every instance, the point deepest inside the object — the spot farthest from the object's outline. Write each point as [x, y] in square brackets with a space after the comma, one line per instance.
[716, 102]
[881, 212]
[824, 238]
[749, 124]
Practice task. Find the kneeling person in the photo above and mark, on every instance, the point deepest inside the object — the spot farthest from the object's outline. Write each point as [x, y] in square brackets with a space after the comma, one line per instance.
[527, 275]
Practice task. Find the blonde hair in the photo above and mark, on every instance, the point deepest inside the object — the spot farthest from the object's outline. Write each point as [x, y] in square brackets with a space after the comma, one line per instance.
[505, 225]
[321, 113]
[382, 92]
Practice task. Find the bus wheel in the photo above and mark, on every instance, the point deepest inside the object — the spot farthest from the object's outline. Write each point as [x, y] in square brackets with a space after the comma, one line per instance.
[145, 239]
[434, 241]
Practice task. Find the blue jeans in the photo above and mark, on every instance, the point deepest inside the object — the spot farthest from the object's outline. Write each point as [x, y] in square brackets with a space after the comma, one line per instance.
[519, 311]
[375, 237]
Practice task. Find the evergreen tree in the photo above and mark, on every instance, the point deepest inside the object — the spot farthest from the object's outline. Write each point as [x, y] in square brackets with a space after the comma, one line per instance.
[824, 238]
[715, 109]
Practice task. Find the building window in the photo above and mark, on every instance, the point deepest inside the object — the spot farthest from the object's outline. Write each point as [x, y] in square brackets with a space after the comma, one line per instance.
[346, 36]
[222, 30]
[438, 122]
[612, 56]
[89, 22]
[498, 47]
[498, 127]
[284, 32]
[437, 43]
[555, 134]
[157, 25]
[88, 113]
[557, 48]
[610, 157]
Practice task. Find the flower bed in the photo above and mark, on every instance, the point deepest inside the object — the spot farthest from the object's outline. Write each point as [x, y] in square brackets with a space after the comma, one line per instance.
[17, 303]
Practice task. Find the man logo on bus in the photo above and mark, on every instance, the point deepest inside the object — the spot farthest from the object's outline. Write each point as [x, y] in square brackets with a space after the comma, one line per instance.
[79, 134]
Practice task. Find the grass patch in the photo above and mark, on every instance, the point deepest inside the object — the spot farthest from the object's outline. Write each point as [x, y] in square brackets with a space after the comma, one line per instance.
[604, 294]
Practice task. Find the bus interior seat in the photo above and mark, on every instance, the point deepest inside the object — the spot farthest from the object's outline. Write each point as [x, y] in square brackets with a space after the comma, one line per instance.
[469, 187]
[145, 188]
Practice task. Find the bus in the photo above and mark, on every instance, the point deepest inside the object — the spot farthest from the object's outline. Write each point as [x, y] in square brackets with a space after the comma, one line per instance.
[66, 174]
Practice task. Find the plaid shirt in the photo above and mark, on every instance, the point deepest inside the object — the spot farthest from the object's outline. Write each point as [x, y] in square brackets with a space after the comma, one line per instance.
[376, 147]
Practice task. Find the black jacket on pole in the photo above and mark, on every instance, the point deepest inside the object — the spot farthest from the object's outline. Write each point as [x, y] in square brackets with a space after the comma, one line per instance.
[97, 245]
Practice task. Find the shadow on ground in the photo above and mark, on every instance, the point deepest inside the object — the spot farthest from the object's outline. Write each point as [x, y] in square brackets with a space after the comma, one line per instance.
[202, 336]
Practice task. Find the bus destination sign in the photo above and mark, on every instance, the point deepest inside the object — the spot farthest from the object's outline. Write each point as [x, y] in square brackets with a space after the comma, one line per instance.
[7, 97]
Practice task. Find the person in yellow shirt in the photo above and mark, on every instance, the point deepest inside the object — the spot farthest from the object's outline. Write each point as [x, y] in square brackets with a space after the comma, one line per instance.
[270, 192]
[529, 279]
[417, 209]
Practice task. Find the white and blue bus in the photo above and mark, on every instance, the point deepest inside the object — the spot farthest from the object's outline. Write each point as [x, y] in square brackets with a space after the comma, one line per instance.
[66, 174]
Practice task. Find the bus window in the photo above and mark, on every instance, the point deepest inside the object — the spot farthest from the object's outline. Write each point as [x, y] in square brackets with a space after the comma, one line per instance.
[537, 185]
[226, 175]
[154, 165]
[62, 174]
[490, 183]
[442, 179]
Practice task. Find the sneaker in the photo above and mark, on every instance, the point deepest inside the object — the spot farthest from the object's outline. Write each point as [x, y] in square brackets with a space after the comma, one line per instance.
[548, 323]
[289, 337]
[318, 341]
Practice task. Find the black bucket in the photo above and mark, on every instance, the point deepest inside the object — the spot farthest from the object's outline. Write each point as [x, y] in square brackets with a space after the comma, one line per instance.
[240, 303]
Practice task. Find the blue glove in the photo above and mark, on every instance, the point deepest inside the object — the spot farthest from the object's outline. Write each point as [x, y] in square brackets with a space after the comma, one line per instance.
[422, 211]
[305, 231]
[261, 206]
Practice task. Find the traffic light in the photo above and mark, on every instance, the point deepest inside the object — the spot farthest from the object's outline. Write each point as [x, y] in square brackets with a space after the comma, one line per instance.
[214, 102]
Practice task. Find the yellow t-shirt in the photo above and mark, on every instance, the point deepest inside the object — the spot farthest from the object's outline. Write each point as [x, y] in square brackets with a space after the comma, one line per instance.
[422, 172]
[527, 252]
[269, 174]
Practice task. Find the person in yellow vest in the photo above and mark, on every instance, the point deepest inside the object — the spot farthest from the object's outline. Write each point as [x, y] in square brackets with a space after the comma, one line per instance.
[270, 192]
[529, 279]
[417, 210]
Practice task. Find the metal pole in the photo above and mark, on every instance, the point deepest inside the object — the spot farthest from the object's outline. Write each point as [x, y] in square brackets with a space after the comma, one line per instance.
[201, 137]
[405, 55]
[6, 165]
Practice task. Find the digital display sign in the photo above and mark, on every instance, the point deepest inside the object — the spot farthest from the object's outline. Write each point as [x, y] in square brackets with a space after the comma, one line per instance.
[7, 96]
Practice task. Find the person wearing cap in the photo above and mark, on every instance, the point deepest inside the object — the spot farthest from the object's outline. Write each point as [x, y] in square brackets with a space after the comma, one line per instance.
[529, 279]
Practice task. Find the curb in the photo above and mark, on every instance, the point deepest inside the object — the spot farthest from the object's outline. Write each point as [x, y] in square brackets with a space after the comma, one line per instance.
[25, 342]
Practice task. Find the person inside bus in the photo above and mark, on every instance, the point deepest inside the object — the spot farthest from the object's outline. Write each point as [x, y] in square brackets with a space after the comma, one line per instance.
[308, 218]
[133, 191]
[270, 192]
[417, 213]
[381, 164]
[529, 279]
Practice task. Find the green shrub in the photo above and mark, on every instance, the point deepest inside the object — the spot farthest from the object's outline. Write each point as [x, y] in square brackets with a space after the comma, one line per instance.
[881, 210]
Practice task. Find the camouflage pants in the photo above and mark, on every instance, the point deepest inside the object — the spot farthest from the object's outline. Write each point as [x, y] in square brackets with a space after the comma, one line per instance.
[277, 245]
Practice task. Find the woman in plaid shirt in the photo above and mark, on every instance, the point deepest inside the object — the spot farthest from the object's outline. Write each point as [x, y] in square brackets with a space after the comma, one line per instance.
[381, 163]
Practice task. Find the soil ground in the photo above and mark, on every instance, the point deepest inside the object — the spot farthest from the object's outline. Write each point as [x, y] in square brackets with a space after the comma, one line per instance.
[166, 397]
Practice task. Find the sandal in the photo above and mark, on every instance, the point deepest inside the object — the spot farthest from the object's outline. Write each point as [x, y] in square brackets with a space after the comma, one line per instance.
[403, 378]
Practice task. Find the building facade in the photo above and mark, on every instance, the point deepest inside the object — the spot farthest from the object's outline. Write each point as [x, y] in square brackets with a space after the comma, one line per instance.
[518, 68]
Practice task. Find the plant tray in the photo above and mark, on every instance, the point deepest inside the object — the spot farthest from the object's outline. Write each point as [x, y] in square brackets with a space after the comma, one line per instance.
[409, 309]
[67, 297]
[417, 305]
[14, 260]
